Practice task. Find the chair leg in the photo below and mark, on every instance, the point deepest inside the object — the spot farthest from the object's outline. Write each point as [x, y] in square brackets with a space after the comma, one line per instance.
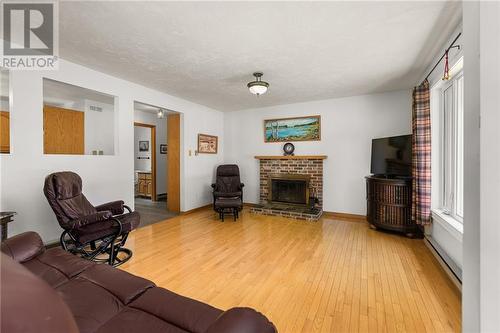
[222, 212]
[235, 214]
[112, 253]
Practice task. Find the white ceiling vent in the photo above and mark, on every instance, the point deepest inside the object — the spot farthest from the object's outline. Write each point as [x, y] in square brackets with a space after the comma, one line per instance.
[95, 108]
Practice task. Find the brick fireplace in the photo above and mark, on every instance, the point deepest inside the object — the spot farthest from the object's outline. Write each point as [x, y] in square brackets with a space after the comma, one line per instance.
[291, 186]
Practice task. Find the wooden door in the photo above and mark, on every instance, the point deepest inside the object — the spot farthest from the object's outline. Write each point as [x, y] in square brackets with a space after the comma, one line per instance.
[173, 163]
[63, 131]
[4, 132]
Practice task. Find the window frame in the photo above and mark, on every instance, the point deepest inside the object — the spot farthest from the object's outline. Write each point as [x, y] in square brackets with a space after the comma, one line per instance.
[449, 144]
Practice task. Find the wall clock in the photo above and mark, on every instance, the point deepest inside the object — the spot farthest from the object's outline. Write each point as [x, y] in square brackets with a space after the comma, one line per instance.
[288, 149]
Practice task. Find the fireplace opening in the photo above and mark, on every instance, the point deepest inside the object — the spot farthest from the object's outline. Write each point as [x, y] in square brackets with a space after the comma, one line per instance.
[291, 189]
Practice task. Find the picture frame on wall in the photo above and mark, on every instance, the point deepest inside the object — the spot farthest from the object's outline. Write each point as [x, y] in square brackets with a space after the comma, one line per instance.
[163, 149]
[143, 146]
[207, 144]
[306, 128]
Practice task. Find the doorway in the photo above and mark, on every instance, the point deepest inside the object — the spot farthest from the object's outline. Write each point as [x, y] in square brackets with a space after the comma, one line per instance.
[156, 168]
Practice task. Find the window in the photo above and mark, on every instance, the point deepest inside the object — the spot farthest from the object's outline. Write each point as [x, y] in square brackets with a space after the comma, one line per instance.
[451, 136]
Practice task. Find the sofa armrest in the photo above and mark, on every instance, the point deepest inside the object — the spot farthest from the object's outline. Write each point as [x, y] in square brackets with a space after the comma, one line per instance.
[115, 207]
[23, 247]
[93, 218]
[242, 320]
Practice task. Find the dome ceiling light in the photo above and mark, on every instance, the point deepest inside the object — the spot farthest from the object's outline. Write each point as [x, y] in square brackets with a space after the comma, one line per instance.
[161, 114]
[258, 87]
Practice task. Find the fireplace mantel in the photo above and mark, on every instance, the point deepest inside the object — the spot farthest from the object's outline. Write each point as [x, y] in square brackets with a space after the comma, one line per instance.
[295, 157]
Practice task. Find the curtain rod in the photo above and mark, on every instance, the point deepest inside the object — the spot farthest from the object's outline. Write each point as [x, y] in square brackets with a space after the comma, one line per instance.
[452, 45]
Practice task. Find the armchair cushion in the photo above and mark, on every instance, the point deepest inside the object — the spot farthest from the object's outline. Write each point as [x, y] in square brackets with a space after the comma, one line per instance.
[23, 247]
[92, 231]
[218, 194]
[115, 207]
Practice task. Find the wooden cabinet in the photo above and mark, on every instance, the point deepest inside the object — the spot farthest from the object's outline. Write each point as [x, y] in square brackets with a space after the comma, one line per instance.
[389, 204]
[145, 184]
[4, 132]
[63, 131]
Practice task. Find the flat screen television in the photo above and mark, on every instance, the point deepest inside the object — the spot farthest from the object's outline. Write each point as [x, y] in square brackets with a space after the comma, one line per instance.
[391, 156]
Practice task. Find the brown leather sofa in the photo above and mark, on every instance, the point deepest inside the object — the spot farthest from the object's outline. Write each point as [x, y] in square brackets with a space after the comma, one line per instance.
[55, 291]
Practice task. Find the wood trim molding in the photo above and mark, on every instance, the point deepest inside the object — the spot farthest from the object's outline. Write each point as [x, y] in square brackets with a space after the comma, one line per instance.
[249, 204]
[174, 162]
[296, 157]
[194, 210]
[345, 216]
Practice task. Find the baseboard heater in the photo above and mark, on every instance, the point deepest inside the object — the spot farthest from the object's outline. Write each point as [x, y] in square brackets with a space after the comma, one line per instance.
[452, 268]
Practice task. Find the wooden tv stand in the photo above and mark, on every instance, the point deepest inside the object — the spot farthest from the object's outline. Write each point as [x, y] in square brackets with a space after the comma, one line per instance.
[389, 204]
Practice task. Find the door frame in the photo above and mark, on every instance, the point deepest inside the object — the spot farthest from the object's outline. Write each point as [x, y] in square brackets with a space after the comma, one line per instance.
[174, 162]
[153, 156]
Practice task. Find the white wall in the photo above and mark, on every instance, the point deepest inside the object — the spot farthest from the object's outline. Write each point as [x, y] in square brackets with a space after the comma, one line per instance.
[161, 138]
[105, 177]
[471, 291]
[481, 288]
[489, 27]
[347, 127]
[99, 128]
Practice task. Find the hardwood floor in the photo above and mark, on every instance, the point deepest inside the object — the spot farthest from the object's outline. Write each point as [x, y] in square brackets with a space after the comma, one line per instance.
[325, 276]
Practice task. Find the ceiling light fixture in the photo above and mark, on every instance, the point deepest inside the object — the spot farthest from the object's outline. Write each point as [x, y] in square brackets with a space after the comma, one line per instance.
[258, 87]
[161, 113]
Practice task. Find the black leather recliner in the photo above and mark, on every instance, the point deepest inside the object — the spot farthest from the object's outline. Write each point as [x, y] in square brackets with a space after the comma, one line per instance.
[95, 233]
[228, 190]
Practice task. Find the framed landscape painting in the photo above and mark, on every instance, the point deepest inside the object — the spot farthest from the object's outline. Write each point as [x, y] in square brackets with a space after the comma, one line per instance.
[293, 129]
[207, 144]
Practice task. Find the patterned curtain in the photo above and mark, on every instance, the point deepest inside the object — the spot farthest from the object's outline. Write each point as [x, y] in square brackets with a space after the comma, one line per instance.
[421, 159]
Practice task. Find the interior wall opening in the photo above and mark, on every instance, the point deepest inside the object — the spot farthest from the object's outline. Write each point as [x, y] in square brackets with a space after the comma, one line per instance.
[152, 172]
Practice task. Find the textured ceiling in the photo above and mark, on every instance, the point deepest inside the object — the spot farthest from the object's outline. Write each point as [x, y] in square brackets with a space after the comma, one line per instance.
[206, 52]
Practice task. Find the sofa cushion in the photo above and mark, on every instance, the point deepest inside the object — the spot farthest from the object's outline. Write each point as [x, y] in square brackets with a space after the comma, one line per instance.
[57, 266]
[125, 286]
[133, 321]
[183, 312]
[91, 305]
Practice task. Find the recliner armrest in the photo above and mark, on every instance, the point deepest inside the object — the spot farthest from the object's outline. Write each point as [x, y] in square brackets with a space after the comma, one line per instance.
[93, 218]
[115, 207]
[242, 320]
[23, 247]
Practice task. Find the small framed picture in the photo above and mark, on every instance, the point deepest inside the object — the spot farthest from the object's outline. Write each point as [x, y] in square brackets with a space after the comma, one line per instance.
[143, 145]
[163, 149]
[207, 144]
